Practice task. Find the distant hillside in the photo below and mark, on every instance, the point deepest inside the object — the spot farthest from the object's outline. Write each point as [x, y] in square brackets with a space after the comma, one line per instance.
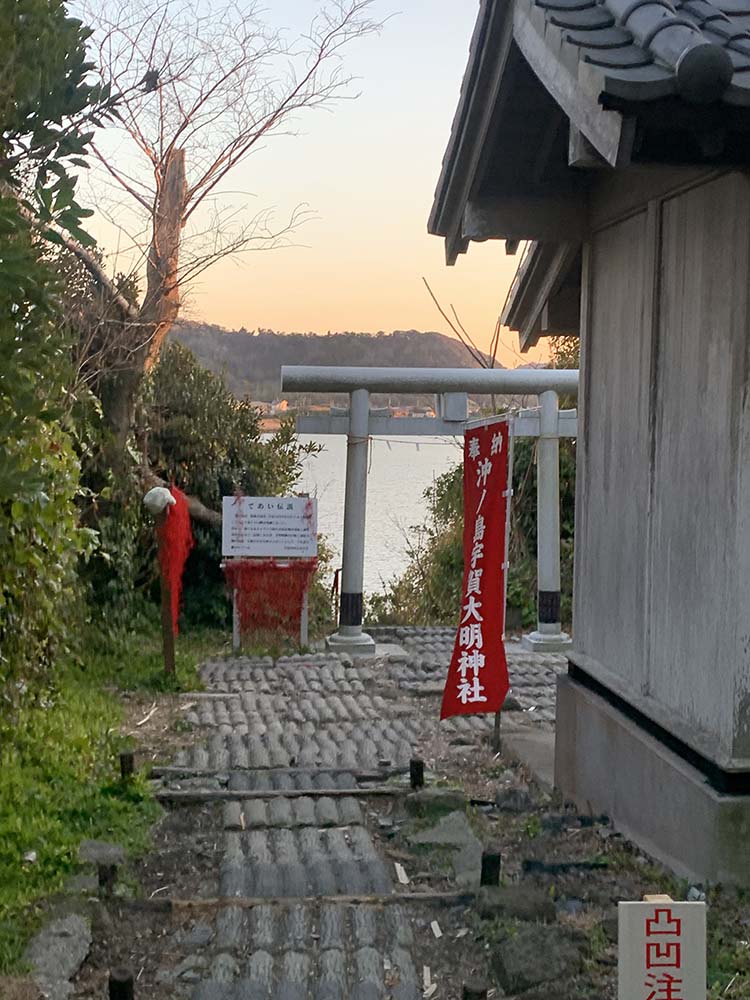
[251, 361]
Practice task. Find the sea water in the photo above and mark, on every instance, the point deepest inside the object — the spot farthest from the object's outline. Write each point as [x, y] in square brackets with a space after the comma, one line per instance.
[400, 470]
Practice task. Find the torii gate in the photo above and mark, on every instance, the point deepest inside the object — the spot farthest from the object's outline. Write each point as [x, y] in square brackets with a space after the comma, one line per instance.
[451, 386]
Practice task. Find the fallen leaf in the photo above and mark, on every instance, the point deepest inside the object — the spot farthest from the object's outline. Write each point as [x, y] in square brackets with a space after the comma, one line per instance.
[401, 874]
[145, 719]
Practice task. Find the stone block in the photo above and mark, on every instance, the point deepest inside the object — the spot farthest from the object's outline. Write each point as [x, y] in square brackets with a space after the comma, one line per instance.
[515, 799]
[434, 801]
[57, 952]
[517, 960]
[516, 902]
[101, 852]
[606, 762]
[454, 831]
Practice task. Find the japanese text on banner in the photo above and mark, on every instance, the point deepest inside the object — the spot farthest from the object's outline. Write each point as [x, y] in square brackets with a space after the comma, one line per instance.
[478, 674]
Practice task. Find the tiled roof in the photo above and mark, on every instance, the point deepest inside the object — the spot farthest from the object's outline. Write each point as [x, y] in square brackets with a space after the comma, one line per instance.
[642, 50]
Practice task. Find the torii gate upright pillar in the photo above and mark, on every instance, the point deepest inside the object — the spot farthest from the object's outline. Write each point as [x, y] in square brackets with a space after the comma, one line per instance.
[350, 638]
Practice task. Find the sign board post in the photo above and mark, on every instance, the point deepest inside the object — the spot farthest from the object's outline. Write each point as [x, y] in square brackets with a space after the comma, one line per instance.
[262, 532]
[662, 950]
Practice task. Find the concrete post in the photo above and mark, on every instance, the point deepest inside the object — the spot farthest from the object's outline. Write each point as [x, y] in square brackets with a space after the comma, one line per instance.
[548, 636]
[350, 638]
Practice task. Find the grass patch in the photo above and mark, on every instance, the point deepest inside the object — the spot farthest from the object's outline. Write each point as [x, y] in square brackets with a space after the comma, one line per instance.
[59, 782]
[130, 659]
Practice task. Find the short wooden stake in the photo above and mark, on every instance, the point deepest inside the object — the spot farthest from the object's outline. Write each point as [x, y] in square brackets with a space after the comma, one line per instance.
[127, 765]
[496, 744]
[475, 991]
[491, 864]
[107, 878]
[121, 985]
[416, 772]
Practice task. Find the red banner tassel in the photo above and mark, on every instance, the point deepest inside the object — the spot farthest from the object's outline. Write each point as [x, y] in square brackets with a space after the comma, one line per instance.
[175, 540]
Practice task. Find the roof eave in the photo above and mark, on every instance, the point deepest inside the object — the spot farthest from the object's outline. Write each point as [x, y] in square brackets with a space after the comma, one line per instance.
[471, 123]
[539, 274]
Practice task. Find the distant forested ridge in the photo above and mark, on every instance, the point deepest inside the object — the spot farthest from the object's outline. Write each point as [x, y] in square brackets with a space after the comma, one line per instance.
[251, 360]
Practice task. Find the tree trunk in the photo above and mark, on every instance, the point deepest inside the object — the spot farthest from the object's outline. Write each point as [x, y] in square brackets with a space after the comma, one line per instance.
[162, 303]
[118, 392]
[159, 310]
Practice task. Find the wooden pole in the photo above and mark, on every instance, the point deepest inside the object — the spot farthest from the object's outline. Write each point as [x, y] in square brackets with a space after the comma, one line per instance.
[167, 630]
[107, 877]
[121, 985]
[127, 765]
[496, 744]
[416, 772]
[491, 865]
[475, 991]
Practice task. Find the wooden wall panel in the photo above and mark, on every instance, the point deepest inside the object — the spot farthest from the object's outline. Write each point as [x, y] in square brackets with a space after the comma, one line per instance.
[701, 373]
[611, 536]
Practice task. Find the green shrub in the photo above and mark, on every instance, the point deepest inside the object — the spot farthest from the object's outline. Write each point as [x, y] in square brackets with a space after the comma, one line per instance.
[429, 591]
[209, 444]
[40, 540]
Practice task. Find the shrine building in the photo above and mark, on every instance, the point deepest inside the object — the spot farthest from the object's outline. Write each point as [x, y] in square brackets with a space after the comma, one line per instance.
[615, 136]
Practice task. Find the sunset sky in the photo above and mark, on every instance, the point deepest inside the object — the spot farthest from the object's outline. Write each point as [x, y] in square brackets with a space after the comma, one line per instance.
[367, 169]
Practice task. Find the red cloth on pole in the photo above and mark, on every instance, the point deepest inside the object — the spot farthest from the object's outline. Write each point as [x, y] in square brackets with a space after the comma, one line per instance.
[269, 592]
[478, 674]
[175, 540]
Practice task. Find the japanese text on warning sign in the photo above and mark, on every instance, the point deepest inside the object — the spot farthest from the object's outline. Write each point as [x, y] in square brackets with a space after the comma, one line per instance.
[662, 951]
[478, 674]
[269, 526]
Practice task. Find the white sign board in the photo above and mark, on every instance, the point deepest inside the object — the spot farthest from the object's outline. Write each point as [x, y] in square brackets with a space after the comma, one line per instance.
[280, 527]
[662, 951]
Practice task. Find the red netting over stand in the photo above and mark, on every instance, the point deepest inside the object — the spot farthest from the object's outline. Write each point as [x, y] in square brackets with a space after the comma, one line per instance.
[269, 592]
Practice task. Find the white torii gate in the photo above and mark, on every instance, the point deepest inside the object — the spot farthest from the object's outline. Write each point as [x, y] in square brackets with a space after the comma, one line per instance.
[451, 386]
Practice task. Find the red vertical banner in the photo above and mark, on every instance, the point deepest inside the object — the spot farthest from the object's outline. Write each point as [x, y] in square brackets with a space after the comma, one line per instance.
[478, 673]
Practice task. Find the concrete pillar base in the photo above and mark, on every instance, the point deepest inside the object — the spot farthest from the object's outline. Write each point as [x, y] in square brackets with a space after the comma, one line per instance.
[540, 642]
[357, 643]
[607, 763]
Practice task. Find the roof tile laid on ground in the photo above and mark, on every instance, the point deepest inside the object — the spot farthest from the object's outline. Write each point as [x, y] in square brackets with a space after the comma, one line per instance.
[278, 863]
[297, 812]
[309, 724]
[331, 952]
[306, 712]
[649, 49]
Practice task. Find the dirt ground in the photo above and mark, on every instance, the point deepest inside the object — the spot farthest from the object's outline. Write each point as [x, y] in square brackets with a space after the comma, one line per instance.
[579, 862]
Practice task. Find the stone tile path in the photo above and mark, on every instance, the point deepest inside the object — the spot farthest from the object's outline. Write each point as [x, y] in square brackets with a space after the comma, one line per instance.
[312, 952]
[428, 652]
[314, 724]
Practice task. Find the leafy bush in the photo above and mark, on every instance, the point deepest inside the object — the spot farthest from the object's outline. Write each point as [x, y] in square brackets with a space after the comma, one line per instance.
[209, 444]
[40, 541]
[429, 591]
[45, 106]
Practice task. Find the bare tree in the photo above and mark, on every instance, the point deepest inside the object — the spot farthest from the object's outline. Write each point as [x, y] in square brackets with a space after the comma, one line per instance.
[201, 86]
